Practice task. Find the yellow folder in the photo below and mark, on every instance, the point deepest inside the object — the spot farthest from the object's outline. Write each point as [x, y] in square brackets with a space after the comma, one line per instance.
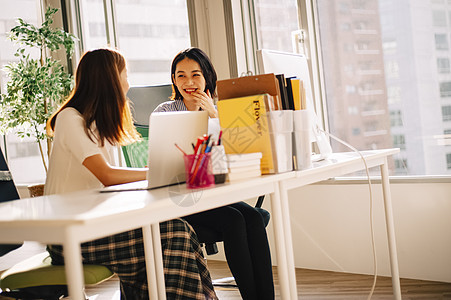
[245, 128]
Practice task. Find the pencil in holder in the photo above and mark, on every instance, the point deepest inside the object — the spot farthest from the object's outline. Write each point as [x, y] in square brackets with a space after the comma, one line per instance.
[198, 171]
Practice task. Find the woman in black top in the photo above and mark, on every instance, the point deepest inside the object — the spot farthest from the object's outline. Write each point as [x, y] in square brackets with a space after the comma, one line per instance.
[242, 227]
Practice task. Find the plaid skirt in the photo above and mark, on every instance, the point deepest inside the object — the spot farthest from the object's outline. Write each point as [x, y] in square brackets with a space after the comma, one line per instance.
[186, 273]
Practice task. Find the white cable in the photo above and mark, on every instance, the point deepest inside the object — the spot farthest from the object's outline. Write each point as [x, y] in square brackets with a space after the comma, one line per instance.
[373, 244]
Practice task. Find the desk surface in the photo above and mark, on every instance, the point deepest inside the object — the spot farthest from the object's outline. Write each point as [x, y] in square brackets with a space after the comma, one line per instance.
[86, 206]
[137, 207]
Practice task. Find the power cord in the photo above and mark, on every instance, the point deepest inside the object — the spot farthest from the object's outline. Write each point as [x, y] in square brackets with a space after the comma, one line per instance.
[373, 244]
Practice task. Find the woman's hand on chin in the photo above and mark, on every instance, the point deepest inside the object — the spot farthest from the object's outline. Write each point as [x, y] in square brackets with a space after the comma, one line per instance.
[206, 103]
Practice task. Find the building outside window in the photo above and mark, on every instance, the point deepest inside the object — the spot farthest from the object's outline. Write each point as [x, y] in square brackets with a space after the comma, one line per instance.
[388, 60]
[403, 63]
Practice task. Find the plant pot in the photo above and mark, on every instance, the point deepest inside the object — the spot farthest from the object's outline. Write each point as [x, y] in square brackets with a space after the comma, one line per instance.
[36, 190]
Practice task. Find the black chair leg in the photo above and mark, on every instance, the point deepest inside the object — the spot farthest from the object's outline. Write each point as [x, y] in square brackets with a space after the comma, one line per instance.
[260, 201]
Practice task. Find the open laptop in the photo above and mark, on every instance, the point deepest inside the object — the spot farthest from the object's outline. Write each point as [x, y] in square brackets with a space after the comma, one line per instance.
[165, 162]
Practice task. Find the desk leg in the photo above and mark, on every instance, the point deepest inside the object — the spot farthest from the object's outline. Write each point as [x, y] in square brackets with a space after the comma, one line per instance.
[390, 231]
[158, 254]
[74, 268]
[288, 239]
[276, 211]
[150, 263]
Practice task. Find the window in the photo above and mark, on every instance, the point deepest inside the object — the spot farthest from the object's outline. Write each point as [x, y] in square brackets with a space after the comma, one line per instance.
[441, 41]
[401, 166]
[445, 89]
[399, 141]
[389, 47]
[350, 89]
[276, 20]
[448, 161]
[384, 78]
[393, 94]
[439, 18]
[395, 118]
[148, 33]
[443, 65]
[391, 69]
[22, 154]
[94, 29]
[355, 131]
[446, 113]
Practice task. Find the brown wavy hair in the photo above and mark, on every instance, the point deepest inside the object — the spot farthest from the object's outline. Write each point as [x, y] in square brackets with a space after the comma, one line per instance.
[99, 98]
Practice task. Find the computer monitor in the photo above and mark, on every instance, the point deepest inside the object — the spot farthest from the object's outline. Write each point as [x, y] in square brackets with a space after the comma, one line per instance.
[295, 65]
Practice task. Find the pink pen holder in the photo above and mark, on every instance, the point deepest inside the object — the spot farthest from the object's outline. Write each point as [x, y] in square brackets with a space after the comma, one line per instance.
[198, 171]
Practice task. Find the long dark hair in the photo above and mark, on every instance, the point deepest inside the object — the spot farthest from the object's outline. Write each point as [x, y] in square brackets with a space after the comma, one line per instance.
[208, 71]
[99, 97]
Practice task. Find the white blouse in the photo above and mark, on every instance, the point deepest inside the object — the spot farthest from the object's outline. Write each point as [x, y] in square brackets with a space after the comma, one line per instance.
[71, 146]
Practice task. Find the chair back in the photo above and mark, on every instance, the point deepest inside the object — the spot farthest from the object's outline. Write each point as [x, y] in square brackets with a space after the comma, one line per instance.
[145, 99]
[8, 192]
[136, 154]
[8, 189]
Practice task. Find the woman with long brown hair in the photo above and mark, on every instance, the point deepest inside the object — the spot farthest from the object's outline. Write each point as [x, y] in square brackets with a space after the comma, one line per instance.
[86, 129]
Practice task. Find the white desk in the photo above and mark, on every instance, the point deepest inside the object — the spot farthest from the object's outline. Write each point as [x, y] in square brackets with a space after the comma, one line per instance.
[72, 219]
[75, 218]
[336, 165]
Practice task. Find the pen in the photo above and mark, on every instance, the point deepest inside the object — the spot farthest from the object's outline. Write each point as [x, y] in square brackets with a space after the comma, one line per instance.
[180, 148]
[219, 137]
[196, 158]
[199, 167]
[199, 142]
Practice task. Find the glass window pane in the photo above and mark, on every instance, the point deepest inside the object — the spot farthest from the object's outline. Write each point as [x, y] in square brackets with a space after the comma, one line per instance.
[24, 159]
[439, 18]
[150, 33]
[400, 64]
[94, 28]
[276, 20]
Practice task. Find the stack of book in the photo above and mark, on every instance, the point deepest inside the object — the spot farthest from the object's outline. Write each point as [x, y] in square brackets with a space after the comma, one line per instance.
[245, 165]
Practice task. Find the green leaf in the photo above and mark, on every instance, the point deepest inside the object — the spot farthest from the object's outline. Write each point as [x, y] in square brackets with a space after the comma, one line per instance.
[34, 88]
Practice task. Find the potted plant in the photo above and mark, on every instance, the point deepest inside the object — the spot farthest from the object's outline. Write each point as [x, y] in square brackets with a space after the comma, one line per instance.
[36, 86]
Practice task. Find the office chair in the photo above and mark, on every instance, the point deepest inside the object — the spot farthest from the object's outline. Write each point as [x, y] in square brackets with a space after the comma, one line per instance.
[8, 192]
[36, 277]
[135, 156]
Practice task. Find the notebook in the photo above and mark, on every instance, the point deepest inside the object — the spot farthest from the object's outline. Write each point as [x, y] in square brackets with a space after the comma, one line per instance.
[165, 161]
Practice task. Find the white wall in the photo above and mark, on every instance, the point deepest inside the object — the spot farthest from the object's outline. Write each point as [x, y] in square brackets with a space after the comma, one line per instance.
[331, 231]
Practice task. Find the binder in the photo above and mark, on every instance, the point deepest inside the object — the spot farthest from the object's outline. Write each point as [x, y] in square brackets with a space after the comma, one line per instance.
[283, 91]
[289, 93]
[251, 85]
